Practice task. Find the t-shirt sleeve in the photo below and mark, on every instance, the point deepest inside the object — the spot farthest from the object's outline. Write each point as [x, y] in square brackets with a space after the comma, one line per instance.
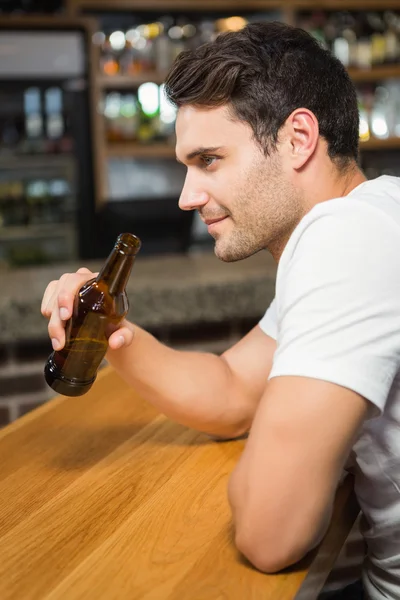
[268, 323]
[338, 304]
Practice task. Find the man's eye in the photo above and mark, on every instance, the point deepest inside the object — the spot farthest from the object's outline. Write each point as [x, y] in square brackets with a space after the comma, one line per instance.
[208, 160]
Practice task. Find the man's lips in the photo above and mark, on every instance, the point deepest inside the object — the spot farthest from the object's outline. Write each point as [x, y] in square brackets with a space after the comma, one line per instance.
[212, 221]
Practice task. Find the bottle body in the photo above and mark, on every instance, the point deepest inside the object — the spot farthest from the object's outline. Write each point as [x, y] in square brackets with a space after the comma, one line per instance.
[99, 307]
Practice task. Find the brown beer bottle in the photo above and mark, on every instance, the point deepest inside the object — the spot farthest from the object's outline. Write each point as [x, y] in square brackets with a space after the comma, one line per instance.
[99, 307]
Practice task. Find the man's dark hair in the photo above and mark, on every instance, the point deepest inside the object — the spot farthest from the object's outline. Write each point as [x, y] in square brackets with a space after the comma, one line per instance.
[264, 72]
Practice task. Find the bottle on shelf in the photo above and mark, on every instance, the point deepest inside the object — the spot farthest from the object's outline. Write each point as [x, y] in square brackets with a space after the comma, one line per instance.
[129, 63]
[55, 128]
[163, 56]
[359, 39]
[149, 112]
[37, 200]
[152, 47]
[379, 107]
[122, 115]
[378, 40]
[99, 308]
[34, 131]
[12, 204]
[10, 137]
[129, 117]
[393, 88]
[112, 112]
[167, 118]
[392, 39]
[364, 131]
[108, 60]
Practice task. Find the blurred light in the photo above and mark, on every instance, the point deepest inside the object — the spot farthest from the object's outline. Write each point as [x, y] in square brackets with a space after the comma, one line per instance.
[53, 100]
[167, 110]
[382, 93]
[149, 98]
[153, 30]
[364, 130]
[175, 33]
[132, 36]
[141, 43]
[112, 105]
[128, 106]
[231, 24]
[38, 188]
[143, 30]
[98, 38]
[58, 187]
[379, 127]
[117, 40]
[189, 30]
[110, 67]
[32, 101]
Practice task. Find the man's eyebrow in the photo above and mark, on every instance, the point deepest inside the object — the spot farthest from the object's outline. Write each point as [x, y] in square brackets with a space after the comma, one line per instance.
[199, 151]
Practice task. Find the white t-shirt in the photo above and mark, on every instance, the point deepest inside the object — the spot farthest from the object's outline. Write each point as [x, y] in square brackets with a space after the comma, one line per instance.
[336, 317]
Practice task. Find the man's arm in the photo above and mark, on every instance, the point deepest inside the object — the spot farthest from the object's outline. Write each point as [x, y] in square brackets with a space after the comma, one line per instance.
[282, 489]
[215, 394]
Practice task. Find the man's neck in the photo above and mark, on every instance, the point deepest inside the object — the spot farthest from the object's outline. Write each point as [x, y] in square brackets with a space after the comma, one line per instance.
[338, 187]
[349, 182]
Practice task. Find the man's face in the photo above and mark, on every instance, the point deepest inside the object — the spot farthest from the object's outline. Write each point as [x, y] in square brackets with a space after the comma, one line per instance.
[244, 197]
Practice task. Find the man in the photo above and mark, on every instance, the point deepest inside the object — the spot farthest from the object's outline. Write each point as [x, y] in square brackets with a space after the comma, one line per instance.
[268, 129]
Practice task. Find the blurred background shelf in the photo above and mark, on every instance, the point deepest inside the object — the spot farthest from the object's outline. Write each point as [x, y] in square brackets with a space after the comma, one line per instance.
[121, 82]
[376, 73]
[42, 231]
[377, 144]
[340, 4]
[132, 150]
[191, 5]
[169, 5]
[36, 161]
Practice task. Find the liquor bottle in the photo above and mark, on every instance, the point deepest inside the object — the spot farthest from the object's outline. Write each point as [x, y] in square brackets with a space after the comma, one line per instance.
[99, 307]
[149, 112]
[54, 118]
[392, 45]
[33, 120]
[108, 62]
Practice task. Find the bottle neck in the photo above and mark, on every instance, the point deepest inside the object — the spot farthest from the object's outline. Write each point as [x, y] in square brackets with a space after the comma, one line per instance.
[116, 271]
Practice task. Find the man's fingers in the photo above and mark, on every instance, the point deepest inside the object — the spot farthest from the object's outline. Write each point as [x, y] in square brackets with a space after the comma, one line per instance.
[123, 337]
[70, 284]
[58, 301]
[56, 331]
[46, 306]
[84, 271]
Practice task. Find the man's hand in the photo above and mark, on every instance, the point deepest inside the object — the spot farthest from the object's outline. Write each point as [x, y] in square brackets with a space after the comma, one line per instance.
[214, 394]
[283, 487]
[57, 306]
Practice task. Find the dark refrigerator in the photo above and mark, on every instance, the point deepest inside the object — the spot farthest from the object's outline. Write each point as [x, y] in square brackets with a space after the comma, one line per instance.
[47, 196]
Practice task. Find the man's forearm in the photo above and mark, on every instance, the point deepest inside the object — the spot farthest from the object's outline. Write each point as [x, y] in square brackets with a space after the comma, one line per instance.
[194, 388]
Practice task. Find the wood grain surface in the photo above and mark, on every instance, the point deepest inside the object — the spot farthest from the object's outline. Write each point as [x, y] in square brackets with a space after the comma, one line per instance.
[103, 498]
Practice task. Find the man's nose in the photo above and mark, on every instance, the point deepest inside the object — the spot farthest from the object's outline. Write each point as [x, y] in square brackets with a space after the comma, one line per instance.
[192, 200]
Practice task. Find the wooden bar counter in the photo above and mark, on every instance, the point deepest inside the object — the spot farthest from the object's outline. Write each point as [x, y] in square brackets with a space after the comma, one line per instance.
[103, 498]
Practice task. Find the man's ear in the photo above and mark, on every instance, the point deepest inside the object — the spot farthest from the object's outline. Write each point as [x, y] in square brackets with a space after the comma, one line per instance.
[301, 133]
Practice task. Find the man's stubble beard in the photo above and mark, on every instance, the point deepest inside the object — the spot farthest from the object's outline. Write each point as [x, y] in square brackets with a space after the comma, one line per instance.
[264, 213]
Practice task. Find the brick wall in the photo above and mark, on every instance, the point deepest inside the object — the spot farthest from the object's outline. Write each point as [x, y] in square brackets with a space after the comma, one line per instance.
[22, 385]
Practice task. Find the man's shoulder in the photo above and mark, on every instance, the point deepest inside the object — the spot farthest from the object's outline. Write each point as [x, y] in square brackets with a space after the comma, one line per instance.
[352, 222]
